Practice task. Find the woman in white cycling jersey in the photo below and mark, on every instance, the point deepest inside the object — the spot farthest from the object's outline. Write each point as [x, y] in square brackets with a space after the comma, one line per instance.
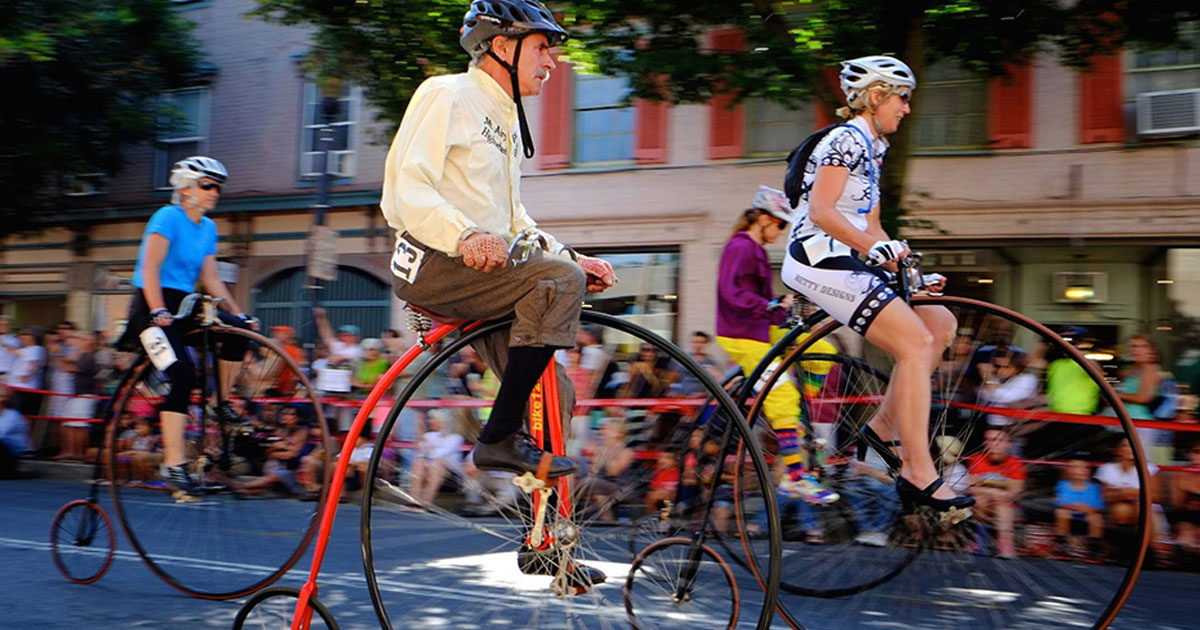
[837, 221]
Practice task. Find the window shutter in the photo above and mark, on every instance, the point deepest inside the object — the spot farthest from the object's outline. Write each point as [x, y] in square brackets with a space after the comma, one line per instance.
[726, 125]
[1010, 109]
[554, 145]
[651, 131]
[1100, 101]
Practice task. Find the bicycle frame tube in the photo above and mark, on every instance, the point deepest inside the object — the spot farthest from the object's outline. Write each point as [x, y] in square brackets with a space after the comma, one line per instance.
[303, 613]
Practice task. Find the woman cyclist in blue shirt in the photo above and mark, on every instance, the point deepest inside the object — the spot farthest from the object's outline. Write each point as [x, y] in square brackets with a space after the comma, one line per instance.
[178, 248]
[837, 222]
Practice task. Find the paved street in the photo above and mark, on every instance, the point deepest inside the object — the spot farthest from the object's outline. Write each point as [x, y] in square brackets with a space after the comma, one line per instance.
[129, 596]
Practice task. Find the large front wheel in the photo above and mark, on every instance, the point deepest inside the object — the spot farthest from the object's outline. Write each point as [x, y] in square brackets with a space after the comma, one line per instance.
[252, 522]
[1019, 419]
[445, 543]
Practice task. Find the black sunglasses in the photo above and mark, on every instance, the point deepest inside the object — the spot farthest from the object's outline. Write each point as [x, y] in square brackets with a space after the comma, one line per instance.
[210, 186]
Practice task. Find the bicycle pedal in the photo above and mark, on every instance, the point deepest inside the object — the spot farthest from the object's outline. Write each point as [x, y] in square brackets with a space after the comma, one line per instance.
[528, 483]
[182, 497]
[954, 516]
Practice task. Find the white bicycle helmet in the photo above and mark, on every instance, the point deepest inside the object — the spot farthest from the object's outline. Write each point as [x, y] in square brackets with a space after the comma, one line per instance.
[774, 203]
[192, 168]
[859, 74]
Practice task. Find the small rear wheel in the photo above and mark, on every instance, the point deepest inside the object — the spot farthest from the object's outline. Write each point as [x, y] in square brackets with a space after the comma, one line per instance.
[273, 608]
[678, 578]
[82, 541]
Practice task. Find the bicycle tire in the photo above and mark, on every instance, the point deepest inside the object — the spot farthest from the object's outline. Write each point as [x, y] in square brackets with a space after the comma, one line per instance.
[660, 577]
[525, 599]
[959, 559]
[277, 619]
[198, 548]
[75, 532]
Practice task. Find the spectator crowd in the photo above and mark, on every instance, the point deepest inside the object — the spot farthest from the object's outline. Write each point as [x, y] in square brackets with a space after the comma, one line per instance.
[638, 459]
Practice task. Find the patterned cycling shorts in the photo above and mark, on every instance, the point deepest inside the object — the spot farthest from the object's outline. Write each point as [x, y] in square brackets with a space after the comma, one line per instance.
[845, 287]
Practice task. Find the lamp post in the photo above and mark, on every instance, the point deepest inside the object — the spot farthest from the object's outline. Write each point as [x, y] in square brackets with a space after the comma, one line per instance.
[315, 269]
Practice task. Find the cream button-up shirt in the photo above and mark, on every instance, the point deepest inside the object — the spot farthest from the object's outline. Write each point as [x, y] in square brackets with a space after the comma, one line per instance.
[455, 163]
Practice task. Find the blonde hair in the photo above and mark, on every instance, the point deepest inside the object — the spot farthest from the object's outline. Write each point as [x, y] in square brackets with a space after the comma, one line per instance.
[862, 100]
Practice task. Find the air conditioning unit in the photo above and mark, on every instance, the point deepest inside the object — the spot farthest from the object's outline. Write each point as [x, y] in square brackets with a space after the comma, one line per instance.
[1080, 287]
[341, 164]
[1168, 113]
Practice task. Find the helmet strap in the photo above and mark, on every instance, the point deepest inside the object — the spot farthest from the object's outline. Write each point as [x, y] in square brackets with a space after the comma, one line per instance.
[526, 136]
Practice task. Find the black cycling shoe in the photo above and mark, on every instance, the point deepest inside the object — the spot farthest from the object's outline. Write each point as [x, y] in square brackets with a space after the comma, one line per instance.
[180, 481]
[518, 453]
[950, 511]
[579, 576]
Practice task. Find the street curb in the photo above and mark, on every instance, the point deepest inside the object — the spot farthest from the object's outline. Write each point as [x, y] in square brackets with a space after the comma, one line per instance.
[61, 471]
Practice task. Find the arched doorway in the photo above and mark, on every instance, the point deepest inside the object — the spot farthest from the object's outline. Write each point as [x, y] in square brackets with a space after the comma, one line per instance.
[356, 297]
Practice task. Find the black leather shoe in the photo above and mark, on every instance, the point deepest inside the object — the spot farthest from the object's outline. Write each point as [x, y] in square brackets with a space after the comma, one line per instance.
[869, 438]
[519, 454]
[949, 510]
[579, 576]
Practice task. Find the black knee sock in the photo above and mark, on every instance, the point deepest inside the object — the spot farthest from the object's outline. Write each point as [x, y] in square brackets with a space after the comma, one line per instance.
[525, 367]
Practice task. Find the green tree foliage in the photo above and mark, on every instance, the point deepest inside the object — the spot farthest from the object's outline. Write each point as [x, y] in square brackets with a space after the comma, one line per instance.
[389, 46]
[81, 79]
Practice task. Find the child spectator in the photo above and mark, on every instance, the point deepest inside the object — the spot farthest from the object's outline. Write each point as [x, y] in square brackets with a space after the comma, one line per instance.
[997, 480]
[142, 450]
[664, 482]
[438, 455]
[1076, 498]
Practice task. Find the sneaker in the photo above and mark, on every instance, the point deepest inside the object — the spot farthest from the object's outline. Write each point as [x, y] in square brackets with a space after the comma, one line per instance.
[808, 488]
[580, 577]
[519, 454]
[872, 539]
[179, 480]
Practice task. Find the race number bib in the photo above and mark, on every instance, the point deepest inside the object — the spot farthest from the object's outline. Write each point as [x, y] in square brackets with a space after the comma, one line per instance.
[154, 340]
[406, 262]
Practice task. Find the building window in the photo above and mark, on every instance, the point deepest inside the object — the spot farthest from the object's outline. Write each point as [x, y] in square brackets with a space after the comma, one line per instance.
[648, 293]
[773, 129]
[182, 129]
[344, 124]
[603, 120]
[1174, 69]
[951, 112]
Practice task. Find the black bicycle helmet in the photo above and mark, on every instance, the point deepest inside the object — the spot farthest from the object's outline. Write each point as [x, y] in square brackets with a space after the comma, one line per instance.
[511, 18]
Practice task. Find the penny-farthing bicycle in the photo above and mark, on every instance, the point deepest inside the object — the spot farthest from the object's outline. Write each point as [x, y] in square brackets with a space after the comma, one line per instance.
[217, 545]
[427, 566]
[866, 558]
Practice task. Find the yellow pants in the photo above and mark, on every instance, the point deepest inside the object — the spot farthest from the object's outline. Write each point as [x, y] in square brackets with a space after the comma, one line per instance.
[782, 404]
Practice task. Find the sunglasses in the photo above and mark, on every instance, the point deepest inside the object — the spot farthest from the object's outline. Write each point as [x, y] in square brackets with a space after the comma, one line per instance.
[210, 186]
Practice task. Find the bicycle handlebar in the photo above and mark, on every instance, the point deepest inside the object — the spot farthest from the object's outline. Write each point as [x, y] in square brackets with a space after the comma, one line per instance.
[524, 242]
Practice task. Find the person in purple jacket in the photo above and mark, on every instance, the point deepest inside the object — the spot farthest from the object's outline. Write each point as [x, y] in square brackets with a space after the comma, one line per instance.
[746, 309]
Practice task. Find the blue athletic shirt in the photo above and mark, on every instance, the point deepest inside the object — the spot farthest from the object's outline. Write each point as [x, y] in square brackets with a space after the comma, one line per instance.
[1066, 494]
[191, 243]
